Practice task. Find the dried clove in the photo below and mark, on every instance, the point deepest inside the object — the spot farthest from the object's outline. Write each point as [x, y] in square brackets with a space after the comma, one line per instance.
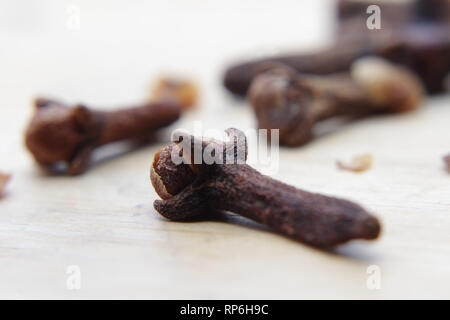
[294, 103]
[4, 179]
[423, 48]
[189, 190]
[61, 134]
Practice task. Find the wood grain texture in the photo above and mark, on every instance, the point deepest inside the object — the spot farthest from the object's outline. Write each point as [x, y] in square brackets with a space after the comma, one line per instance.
[104, 221]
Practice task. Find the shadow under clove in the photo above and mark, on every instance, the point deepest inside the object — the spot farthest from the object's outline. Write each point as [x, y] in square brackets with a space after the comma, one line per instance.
[355, 250]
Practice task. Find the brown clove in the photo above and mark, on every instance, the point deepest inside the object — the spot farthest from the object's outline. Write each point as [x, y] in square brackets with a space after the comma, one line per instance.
[423, 48]
[189, 190]
[294, 103]
[60, 134]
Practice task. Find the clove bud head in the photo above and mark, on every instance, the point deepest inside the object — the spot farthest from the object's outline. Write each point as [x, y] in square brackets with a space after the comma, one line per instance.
[56, 132]
[167, 178]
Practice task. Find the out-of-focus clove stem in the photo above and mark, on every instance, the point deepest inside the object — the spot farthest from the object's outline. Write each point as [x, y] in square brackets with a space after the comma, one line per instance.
[294, 103]
[424, 49]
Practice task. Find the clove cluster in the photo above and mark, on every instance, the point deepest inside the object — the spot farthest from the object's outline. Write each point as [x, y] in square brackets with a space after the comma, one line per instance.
[362, 73]
[420, 42]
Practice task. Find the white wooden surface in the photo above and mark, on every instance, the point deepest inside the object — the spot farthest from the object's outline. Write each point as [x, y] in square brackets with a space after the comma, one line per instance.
[104, 221]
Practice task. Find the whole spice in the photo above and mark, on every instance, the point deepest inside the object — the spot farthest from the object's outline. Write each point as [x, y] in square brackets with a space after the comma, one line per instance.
[190, 189]
[4, 179]
[61, 134]
[294, 103]
[423, 48]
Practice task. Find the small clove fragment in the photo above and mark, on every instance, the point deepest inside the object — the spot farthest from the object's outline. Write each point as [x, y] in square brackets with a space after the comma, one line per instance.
[190, 189]
[4, 179]
[60, 134]
[175, 90]
[359, 163]
[294, 103]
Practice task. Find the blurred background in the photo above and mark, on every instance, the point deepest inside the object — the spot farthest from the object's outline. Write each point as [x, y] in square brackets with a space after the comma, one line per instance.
[107, 54]
[121, 45]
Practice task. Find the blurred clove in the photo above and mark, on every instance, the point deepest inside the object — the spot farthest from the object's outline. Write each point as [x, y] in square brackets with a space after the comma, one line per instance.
[175, 90]
[423, 48]
[293, 103]
[352, 15]
[60, 134]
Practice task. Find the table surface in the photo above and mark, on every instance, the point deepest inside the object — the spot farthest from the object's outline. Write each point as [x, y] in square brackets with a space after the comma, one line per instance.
[104, 221]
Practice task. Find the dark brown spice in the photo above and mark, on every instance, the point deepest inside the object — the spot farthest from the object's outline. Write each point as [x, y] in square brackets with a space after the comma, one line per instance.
[423, 48]
[58, 133]
[433, 10]
[315, 219]
[294, 103]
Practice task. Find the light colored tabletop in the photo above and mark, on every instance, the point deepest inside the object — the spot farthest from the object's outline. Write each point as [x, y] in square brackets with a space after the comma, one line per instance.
[102, 227]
